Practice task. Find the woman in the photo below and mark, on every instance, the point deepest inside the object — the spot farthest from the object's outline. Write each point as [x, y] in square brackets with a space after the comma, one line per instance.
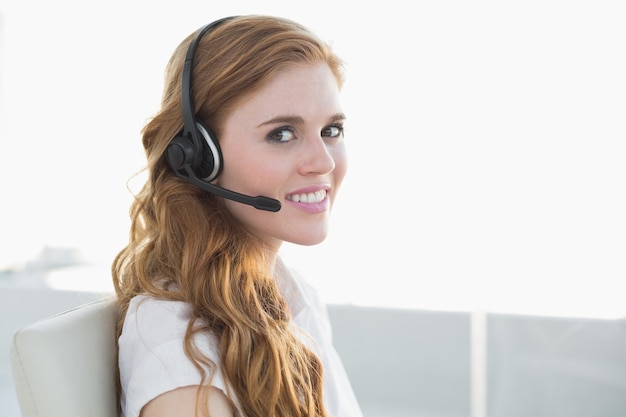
[246, 152]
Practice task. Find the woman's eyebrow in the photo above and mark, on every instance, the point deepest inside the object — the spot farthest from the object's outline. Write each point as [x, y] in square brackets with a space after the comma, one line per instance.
[297, 120]
[338, 116]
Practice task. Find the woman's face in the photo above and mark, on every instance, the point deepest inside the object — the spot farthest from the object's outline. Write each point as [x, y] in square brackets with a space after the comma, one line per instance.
[285, 142]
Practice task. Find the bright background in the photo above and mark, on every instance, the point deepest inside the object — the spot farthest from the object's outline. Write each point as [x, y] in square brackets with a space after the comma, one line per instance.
[487, 143]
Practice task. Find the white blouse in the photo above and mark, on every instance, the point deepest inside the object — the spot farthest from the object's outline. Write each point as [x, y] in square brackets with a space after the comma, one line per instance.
[152, 360]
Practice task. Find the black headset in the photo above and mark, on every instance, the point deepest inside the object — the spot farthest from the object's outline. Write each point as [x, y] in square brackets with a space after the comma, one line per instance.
[194, 154]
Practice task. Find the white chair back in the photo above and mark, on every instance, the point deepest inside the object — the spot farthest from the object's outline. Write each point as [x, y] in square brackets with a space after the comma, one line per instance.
[65, 366]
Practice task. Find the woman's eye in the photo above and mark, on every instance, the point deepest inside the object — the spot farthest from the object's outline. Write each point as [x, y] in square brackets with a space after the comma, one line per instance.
[333, 131]
[284, 134]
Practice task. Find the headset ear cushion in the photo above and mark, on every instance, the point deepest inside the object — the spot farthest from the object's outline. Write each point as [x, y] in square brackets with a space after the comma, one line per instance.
[210, 165]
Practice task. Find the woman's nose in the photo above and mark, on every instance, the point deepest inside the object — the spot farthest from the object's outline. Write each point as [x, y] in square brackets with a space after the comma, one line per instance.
[317, 157]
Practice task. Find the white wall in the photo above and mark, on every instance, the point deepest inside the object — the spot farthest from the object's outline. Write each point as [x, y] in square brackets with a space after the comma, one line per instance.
[486, 141]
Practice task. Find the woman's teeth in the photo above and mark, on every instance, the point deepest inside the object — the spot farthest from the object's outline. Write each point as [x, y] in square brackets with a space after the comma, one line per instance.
[315, 197]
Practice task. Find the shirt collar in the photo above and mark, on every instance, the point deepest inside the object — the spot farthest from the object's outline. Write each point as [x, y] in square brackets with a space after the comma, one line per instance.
[290, 288]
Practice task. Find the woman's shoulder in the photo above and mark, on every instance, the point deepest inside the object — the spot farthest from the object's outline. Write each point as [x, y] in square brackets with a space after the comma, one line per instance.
[153, 324]
[152, 357]
[159, 319]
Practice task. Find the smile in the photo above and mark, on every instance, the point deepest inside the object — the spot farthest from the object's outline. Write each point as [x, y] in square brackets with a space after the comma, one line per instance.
[315, 197]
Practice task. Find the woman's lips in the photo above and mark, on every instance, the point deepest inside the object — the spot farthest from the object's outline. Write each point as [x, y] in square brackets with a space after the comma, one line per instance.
[310, 197]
